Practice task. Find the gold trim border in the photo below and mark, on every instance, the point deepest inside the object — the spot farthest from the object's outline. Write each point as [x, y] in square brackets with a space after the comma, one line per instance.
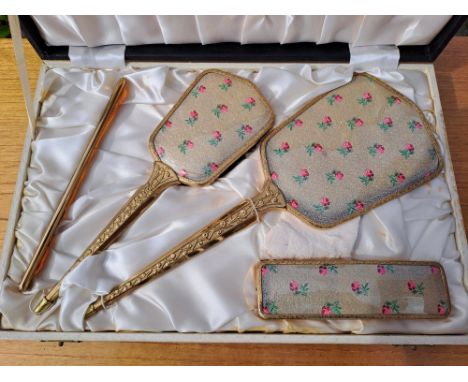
[259, 287]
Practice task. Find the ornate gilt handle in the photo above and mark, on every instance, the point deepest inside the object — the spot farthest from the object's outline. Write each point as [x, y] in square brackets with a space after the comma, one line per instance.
[231, 222]
[161, 178]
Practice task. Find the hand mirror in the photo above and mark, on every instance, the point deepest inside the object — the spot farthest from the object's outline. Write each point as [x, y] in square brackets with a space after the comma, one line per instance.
[216, 121]
[342, 154]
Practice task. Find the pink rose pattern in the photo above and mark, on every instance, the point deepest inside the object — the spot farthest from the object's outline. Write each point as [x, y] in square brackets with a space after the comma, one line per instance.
[220, 109]
[244, 130]
[314, 148]
[354, 122]
[323, 205]
[249, 103]
[358, 287]
[392, 100]
[376, 150]
[167, 125]
[333, 176]
[386, 124]
[325, 123]
[355, 206]
[194, 115]
[210, 168]
[365, 99]
[442, 308]
[346, 148]
[227, 83]
[397, 178]
[416, 288]
[407, 151]
[334, 98]
[367, 177]
[390, 307]
[198, 90]
[302, 177]
[331, 309]
[295, 123]
[293, 203]
[414, 125]
[298, 289]
[187, 144]
[326, 269]
[384, 268]
[283, 149]
[160, 150]
[216, 138]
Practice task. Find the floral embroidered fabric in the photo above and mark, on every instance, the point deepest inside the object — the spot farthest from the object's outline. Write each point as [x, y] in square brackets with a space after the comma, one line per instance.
[220, 116]
[352, 149]
[352, 290]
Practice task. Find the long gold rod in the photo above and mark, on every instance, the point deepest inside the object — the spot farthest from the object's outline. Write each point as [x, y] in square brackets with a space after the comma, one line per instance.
[43, 249]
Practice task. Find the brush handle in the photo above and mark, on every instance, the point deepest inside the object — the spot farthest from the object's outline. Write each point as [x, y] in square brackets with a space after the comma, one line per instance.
[234, 220]
[161, 178]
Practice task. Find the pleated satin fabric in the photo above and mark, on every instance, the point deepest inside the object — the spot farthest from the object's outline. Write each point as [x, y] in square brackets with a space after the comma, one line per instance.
[95, 31]
[214, 291]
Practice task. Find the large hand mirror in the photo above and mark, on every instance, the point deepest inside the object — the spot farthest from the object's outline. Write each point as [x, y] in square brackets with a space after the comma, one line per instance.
[341, 155]
[217, 120]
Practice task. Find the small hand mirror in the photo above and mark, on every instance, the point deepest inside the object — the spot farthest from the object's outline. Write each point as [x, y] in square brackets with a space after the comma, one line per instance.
[216, 121]
[341, 155]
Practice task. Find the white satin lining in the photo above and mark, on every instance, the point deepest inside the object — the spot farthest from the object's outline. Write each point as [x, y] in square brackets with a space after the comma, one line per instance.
[215, 290]
[137, 30]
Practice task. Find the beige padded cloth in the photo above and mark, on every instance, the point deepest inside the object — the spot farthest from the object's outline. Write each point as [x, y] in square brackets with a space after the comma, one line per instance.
[350, 150]
[218, 118]
[352, 290]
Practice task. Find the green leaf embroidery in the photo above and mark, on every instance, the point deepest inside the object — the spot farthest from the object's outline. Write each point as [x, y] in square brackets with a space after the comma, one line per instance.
[300, 179]
[191, 121]
[217, 112]
[393, 306]
[419, 290]
[364, 289]
[303, 290]
[330, 177]
[406, 153]
[272, 268]
[271, 307]
[343, 151]
[432, 153]
[331, 308]
[362, 101]
[279, 152]
[384, 126]
[183, 148]
[320, 208]
[365, 180]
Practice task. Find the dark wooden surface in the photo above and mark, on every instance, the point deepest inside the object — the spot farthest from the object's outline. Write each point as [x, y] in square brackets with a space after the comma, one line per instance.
[452, 78]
